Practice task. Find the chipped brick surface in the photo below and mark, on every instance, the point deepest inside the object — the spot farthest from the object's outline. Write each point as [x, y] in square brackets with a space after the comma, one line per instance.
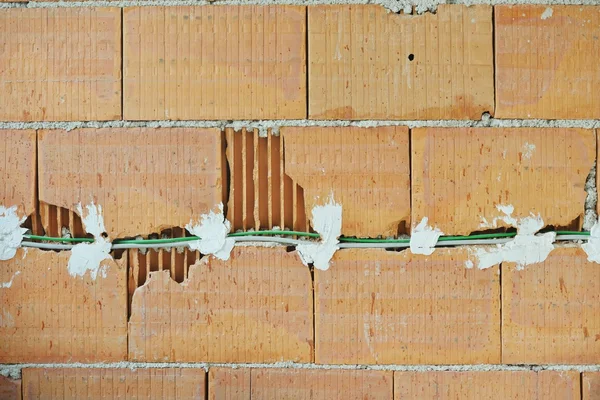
[460, 175]
[17, 170]
[49, 315]
[114, 383]
[229, 384]
[145, 179]
[381, 307]
[321, 384]
[590, 382]
[60, 64]
[551, 310]
[367, 170]
[368, 63]
[255, 307]
[221, 62]
[10, 389]
[546, 61]
[492, 385]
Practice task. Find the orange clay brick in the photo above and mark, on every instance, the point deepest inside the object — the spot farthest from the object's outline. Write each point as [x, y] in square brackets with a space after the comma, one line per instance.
[547, 61]
[114, 383]
[367, 170]
[460, 175]
[48, 315]
[10, 389]
[492, 385]
[60, 64]
[383, 307]
[590, 382]
[368, 63]
[17, 170]
[229, 384]
[551, 310]
[145, 179]
[221, 62]
[255, 307]
[321, 384]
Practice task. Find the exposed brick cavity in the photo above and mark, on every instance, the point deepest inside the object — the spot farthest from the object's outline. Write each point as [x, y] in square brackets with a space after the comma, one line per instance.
[255, 307]
[367, 63]
[380, 307]
[550, 310]
[366, 169]
[463, 179]
[49, 315]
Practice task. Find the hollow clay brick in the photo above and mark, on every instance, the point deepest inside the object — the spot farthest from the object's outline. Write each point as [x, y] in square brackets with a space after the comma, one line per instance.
[17, 170]
[49, 315]
[461, 175]
[255, 307]
[492, 385]
[547, 61]
[229, 383]
[367, 170]
[368, 63]
[10, 389]
[114, 383]
[590, 385]
[321, 384]
[60, 64]
[145, 179]
[382, 307]
[551, 310]
[221, 62]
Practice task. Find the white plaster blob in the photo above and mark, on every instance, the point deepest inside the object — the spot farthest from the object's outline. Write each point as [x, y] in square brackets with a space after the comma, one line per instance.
[212, 230]
[526, 247]
[11, 233]
[528, 150]
[88, 256]
[547, 13]
[423, 238]
[592, 247]
[5, 285]
[327, 222]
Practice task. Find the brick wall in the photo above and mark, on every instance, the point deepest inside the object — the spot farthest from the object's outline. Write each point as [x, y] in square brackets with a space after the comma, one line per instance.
[159, 113]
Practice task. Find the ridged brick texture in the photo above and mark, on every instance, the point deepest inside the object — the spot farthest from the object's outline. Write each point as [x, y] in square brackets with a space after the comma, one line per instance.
[547, 61]
[261, 193]
[381, 307]
[145, 179]
[114, 383]
[10, 389]
[550, 310]
[60, 64]
[229, 383]
[366, 170]
[221, 62]
[17, 171]
[461, 175]
[255, 307]
[368, 63]
[49, 315]
[492, 385]
[590, 385]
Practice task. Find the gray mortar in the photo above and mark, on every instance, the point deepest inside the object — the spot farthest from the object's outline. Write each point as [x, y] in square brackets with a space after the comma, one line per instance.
[591, 200]
[14, 370]
[406, 6]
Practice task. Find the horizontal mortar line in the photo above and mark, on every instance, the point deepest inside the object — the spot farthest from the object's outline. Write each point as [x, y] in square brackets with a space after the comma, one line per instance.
[276, 124]
[393, 5]
[10, 369]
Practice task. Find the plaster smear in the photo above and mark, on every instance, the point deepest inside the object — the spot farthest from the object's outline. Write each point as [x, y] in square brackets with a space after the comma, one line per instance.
[526, 248]
[11, 233]
[5, 285]
[423, 238]
[547, 13]
[212, 229]
[592, 247]
[327, 222]
[88, 256]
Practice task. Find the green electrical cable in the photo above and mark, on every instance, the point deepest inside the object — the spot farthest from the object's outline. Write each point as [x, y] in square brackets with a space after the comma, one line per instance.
[290, 233]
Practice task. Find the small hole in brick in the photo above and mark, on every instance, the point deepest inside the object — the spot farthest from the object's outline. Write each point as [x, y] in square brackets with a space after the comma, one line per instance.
[411, 57]
[104, 235]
